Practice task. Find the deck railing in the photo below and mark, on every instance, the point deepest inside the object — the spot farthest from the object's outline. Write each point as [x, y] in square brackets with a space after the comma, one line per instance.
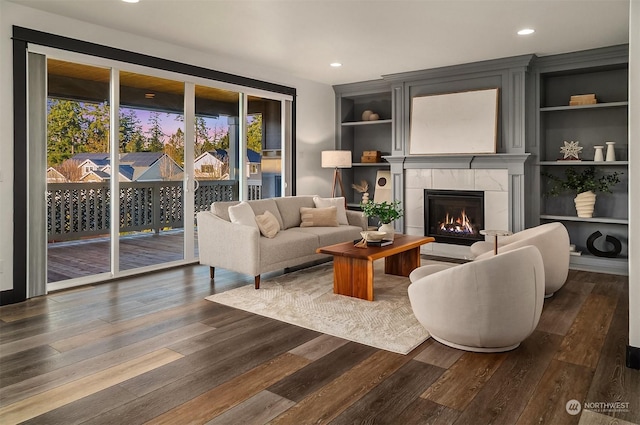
[77, 210]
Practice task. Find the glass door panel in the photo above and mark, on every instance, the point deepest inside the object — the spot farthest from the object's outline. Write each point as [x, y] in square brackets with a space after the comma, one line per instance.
[215, 147]
[151, 170]
[264, 148]
[78, 195]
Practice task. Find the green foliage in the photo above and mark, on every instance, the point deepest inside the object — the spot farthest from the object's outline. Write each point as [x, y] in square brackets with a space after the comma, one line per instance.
[67, 130]
[254, 134]
[581, 182]
[385, 212]
[155, 136]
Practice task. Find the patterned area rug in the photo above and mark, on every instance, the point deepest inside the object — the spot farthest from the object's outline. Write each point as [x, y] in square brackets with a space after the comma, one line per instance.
[305, 298]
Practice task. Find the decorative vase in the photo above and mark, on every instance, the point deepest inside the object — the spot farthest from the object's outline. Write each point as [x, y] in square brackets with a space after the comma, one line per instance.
[599, 156]
[585, 202]
[611, 152]
[365, 197]
[389, 230]
[366, 114]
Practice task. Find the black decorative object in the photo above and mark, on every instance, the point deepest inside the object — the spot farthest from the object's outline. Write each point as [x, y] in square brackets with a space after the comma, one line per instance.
[617, 246]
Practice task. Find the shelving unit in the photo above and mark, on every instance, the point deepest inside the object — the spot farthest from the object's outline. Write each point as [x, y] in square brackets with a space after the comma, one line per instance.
[358, 136]
[604, 72]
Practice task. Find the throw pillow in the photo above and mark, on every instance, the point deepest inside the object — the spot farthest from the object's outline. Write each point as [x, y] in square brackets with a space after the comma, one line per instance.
[243, 214]
[268, 224]
[333, 202]
[318, 217]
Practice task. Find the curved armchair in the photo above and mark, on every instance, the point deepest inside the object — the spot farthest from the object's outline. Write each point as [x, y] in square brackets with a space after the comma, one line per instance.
[551, 239]
[488, 305]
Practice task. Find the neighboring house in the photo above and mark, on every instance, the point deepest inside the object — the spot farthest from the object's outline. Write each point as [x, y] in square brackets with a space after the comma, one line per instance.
[54, 176]
[254, 167]
[211, 165]
[134, 166]
[95, 176]
[92, 164]
[104, 174]
[152, 166]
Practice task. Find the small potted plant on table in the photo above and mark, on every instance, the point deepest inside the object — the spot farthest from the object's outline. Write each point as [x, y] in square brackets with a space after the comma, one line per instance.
[385, 212]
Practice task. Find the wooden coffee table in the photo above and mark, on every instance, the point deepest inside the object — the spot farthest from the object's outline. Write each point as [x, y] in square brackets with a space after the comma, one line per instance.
[353, 267]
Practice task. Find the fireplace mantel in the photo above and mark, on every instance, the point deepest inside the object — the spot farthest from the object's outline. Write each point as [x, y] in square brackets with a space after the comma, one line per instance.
[498, 161]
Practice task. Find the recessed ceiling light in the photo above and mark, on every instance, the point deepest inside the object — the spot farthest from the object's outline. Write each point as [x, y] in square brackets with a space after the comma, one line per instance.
[336, 64]
[131, 1]
[526, 31]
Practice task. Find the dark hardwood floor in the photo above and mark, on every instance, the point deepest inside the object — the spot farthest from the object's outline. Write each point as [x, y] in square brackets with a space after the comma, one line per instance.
[150, 349]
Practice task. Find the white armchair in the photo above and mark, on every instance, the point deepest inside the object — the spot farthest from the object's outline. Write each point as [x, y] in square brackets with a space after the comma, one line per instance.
[551, 239]
[489, 305]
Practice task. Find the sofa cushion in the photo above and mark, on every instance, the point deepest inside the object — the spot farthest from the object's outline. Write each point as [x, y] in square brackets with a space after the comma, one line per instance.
[243, 214]
[339, 203]
[289, 208]
[268, 224]
[331, 235]
[319, 217]
[260, 206]
[221, 209]
[286, 245]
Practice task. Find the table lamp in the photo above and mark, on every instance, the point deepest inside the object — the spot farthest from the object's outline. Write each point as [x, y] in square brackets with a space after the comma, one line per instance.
[335, 160]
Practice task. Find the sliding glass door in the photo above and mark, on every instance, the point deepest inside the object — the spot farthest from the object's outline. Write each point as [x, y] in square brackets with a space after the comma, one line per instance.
[78, 197]
[133, 155]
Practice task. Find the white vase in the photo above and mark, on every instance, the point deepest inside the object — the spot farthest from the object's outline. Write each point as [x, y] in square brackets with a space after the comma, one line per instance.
[599, 156]
[611, 152]
[585, 202]
[389, 230]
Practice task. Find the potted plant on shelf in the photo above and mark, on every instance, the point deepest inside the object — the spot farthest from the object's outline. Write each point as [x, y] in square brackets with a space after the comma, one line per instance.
[385, 212]
[584, 185]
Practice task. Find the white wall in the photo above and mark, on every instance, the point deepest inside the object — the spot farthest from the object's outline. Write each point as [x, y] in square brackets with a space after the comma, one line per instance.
[634, 173]
[315, 104]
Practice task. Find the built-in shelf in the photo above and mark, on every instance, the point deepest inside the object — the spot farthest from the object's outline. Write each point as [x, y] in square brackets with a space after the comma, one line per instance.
[595, 105]
[370, 164]
[585, 220]
[588, 262]
[583, 163]
[354, 123]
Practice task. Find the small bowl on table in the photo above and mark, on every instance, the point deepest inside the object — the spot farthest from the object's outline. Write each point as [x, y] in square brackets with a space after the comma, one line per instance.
[372, 235]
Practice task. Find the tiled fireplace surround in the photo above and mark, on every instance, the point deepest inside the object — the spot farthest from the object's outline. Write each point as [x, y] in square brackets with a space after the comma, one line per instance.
[500, 176]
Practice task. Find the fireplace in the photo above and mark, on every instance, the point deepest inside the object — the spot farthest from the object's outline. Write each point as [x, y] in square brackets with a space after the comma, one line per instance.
[454, 216]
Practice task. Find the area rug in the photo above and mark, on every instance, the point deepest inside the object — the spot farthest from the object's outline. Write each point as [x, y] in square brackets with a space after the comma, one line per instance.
[305, 298]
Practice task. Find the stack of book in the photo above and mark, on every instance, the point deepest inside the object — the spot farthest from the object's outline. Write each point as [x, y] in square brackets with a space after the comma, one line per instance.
[370, 156]
[583, 99]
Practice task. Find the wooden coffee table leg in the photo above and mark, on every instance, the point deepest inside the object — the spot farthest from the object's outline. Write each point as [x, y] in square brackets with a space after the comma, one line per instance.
[403, 263]
[353, 277]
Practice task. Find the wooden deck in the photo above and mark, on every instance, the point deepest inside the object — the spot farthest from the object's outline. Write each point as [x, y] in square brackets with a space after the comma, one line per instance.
[150, 349]
[73, 259]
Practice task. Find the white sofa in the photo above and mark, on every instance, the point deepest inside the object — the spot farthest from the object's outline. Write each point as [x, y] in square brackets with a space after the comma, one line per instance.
[488, 305]
[243, 249]
[551, 239]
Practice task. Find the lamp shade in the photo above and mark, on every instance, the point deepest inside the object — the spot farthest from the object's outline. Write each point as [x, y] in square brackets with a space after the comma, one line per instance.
[336, 159]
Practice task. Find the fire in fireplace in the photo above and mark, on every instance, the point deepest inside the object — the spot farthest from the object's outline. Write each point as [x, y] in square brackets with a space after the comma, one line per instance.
[454, 216]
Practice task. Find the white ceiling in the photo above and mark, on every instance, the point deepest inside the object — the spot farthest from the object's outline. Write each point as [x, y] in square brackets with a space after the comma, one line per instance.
[371, 38]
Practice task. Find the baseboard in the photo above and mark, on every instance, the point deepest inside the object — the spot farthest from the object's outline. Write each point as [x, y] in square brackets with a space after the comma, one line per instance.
[11, 296]
[633, 357]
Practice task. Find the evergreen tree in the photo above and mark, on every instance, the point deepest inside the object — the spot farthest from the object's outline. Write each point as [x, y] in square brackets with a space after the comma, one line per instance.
[131, 134]
[174, 148]
[97, 116]
[254, 133]
[66, 130]
[155, 136]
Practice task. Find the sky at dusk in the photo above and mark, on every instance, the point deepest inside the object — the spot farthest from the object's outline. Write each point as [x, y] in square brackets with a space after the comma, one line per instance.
[170, 124]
